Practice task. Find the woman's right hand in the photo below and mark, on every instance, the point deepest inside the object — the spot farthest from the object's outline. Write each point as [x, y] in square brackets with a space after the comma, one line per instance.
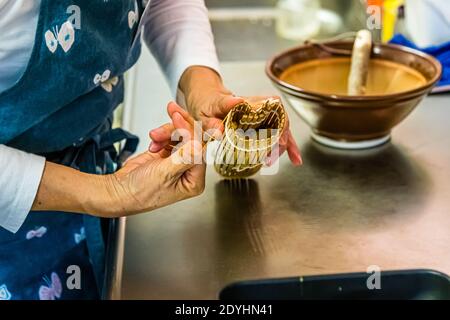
[145, 182]
[153, 180]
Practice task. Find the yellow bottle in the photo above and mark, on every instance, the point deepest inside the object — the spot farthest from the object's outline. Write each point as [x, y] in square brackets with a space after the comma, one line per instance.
[390, 12]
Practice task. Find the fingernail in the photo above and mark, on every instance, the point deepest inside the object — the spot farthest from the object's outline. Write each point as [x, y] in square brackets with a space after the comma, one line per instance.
[152, 147]
[153, 132]
[299, 160]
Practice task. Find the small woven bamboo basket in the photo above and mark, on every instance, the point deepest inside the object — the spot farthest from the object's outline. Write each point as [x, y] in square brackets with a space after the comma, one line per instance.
[250, 134]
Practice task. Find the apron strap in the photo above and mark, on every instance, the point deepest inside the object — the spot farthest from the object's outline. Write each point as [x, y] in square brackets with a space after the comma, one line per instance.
[116, 135]
[98, 155]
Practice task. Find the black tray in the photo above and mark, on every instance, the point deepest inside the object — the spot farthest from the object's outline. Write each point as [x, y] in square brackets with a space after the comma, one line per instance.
[402, 284]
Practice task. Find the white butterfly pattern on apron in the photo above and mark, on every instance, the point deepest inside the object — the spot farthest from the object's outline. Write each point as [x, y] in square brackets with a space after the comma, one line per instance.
[36, 233]
[133, 16]
[65, 37]
[78, 237]
[106, 83]
[4, 293]
[53, 290]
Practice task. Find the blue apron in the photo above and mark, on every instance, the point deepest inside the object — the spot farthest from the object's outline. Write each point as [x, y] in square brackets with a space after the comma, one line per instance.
[62, 108]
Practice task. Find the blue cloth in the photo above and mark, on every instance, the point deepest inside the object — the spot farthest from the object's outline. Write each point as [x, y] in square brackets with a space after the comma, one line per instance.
[441, 52]
[62, 108]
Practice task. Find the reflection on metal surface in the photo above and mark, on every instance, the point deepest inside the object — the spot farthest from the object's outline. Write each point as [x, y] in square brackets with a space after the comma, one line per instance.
[238, 206]
[254, 25]
[364, 186]
[114, 259]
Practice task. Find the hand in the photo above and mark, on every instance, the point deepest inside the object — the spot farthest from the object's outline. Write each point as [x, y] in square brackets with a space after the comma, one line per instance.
[145, 182]
[153, 180]
[209, 101]
[286, 141]
[206, 97]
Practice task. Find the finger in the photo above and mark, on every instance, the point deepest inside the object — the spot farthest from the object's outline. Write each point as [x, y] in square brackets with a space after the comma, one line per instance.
[293, 151]
[278, 149]
[225, 104]
[173, 107]
[183, 159]
[162, 136]
[258, 101]
[166, 151]
[184, 132]
[183, 129]
[192, 181]
[158, 146]
[286, 143]
[179, 122]
[284, 138]
[162, 133]
[213, 125]
[275, 154]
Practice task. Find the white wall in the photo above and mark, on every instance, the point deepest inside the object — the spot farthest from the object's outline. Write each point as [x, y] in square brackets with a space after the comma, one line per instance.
[147, 95]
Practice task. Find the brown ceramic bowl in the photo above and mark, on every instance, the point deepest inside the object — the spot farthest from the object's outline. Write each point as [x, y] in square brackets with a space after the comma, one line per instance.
[353, 122]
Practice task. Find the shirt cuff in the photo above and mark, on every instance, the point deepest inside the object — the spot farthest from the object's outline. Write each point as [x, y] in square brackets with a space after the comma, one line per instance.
[180, 52]
[194, 58]
[20, 182]
[179, 35]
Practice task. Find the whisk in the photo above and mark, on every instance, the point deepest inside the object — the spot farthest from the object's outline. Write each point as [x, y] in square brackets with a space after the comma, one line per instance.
[249, 136]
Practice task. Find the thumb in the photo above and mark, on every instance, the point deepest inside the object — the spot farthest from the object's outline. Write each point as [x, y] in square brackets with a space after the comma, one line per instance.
[226, 103]
[188, 155]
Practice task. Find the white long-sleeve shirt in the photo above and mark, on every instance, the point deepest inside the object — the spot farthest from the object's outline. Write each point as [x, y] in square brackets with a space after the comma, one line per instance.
[177, 32]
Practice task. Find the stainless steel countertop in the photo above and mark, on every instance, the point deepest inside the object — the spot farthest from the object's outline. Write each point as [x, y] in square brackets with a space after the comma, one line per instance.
[339, 212]
[258, 39]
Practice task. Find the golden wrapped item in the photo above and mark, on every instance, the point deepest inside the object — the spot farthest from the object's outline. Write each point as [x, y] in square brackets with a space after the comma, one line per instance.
[250, 134]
